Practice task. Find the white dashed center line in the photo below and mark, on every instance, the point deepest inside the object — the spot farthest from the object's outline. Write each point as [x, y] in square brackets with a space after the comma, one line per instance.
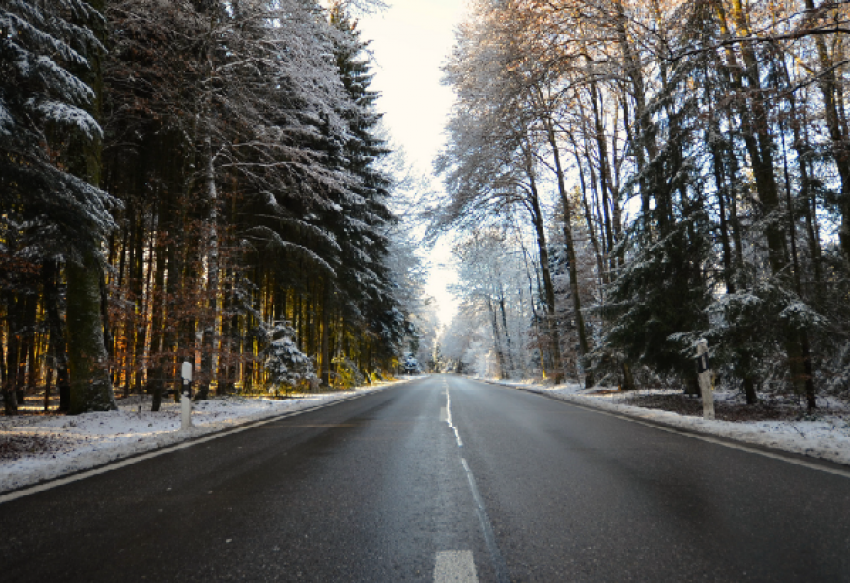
[498, 562]
[455, 567]
[449, 417]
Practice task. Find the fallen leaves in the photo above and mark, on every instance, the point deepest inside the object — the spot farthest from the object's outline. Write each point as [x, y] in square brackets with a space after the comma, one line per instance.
[15, 445]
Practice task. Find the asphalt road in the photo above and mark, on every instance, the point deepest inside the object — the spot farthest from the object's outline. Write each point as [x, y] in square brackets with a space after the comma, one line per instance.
[442, 479]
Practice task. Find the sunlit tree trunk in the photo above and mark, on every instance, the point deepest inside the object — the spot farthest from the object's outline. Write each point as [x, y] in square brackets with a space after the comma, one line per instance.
[838, 135]
[545, 272]
[760, 147]
[571, 252]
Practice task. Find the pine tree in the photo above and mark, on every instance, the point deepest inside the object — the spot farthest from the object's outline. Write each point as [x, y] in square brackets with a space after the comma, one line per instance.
[286, 364]
[365, 219]
[50, 166]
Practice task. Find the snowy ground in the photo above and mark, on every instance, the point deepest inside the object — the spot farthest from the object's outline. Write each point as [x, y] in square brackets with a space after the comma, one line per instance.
[34, 448]
[825, 435]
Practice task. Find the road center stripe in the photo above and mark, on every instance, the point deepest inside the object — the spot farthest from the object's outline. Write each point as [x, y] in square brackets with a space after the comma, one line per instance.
[448, 419]
[486, 528]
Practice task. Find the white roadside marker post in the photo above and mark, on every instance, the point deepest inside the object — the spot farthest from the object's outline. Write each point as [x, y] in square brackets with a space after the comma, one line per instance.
[704, 376]
[185, 399]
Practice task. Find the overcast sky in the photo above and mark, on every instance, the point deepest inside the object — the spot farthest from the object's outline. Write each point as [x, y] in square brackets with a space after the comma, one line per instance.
[410, 42]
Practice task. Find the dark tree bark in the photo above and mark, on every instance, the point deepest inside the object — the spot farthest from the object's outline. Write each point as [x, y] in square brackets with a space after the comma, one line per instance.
[10, 400]
[155, 374]
[26, 359]
[50, 274]
[91, 387]
[760, 147]
[327, 292]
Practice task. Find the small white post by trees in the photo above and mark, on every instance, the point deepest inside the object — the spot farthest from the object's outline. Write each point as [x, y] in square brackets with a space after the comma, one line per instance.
[704, 376]
[185, 399]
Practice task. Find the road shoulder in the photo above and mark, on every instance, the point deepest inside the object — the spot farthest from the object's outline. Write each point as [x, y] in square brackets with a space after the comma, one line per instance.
[37, 450]
[825, 442]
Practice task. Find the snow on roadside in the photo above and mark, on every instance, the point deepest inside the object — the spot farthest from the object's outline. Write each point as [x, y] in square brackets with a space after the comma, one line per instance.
[38, 448]
[826, 437]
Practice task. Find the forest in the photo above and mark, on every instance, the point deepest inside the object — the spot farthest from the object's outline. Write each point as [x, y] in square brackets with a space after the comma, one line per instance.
[626, 177]
[200, 181]
[209, 181]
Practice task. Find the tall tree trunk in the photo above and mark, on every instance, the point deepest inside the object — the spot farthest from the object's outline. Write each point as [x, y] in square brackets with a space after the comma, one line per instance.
[840, 146]
[645, 144]
[497, 338]
[3, 375]
[155, 375]
[571, 253]
[722, 194]
[146, 301]
[228, 328]
[10, 399]
[759, 145]
[26, 359]
[548, 287]
[802, 149]
[508, 349]
[171, 360]
[327, 292]
[604, 182]
[108, 339]
[50, 274]
[91, 387]
[210, 334]
[588, 216]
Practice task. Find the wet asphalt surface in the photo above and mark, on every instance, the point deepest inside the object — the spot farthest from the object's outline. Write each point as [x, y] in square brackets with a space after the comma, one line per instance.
[374, 488]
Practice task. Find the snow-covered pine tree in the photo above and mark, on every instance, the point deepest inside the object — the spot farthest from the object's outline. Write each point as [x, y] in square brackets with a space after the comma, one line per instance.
[365, 273]
[49, 59]
[286, 365]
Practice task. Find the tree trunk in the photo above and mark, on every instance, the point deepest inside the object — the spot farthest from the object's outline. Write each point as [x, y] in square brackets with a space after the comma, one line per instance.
[760, 147]
[545, 272]
[588, 216]
[497, 341]
[91, 389]
[645, 144]
[10, 400]
[571, 254]
[325, 332]
[210, 334]
[154, 374]
[508, 349]
[750, 390]
[840, 147]
[602, 150]
[48, 385]
[718, 167]
[50, 273]
[108, 341]
[228, 326]
[26, 359]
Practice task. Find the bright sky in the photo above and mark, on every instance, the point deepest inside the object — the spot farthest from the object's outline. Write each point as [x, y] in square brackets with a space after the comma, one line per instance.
[410, 42]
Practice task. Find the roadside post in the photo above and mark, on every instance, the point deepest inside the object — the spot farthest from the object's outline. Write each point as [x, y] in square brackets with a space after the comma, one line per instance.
[704, 376]
[186, 399]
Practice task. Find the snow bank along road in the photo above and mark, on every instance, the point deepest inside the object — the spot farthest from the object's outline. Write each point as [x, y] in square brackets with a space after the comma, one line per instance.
[441, 479]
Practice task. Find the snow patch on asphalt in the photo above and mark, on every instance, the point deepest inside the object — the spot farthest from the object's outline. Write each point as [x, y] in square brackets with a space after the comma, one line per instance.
[38, 448]
[826, 436]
